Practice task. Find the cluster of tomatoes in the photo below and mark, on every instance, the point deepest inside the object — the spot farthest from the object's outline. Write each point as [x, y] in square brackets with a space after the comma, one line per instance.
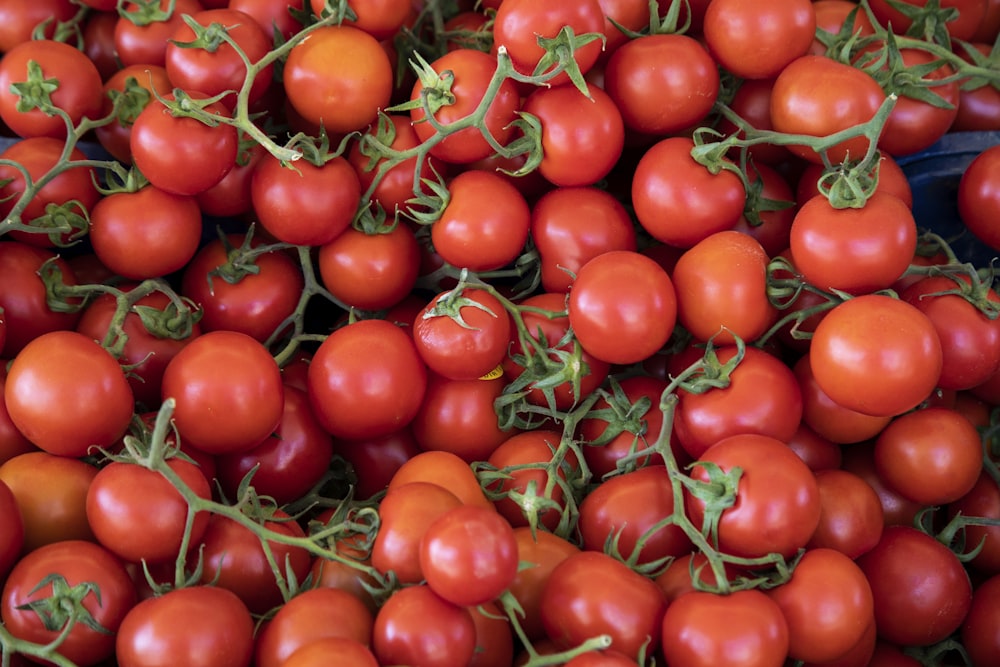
[454, 334]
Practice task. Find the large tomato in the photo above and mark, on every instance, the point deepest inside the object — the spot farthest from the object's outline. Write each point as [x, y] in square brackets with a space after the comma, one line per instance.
[979, 196]
[416, 626]
[755, 41]
[18, 20]
[443, 469]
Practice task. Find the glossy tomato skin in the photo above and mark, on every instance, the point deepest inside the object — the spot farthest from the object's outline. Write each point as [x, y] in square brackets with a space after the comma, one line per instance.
[222, 636]
[627, 606]
[757, 42]
[828, 418]
[744, 629]
[920, 588]
[370, 271]
[228, 392]
[77, 562]
[19, 19]
[469, 346]
[978, 108]
[340, 650]
[622, 307]
[851, 520]
[442, 469]
[66, 394]
[416, 626]
[544, 551]
[395, 186]
[979, 196]
[881, 335]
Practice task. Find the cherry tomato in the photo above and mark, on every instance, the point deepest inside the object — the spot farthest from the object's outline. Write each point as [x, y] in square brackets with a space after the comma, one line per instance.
[979, 196]
[444, 469]
[142, 31]
[416, 626]
[370, 271]
[467, 345]
[850, 519]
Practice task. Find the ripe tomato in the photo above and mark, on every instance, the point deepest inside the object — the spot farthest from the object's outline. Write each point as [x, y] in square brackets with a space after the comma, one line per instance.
[891, 180]
[272, 16]
[828, 418]
[469, 344]
[876, 336]
[376, 460]
[977, 630]
[896, 510]
[370, 271]
[380, 18]
[11, 530]
[742, 629]
[622, 307]
[777, 504]
[970, 15]
[627, 606]
[142, 30]
[66, 394]
[774, 228]
[341, 99]
[468, 555]
[18, 20]
[339, 650]
[114, 136]
[721, 288]
[50, 491]
[831, 16]
[582, 138]
[110, 598]
[756, 42]
[662, 83]
[77, 92]
[677, 200]
[920, 588]
[494, 637]
[200, 626]
[979, 196]
[228, 392]
[679, 577]
[827, 604]
[444, 469]
[543, 551]
[415, 626]
[983, 500]
[978, 108]
[850, 519]
[481, 238]
[752, 102]
[818, 96]
[137, 513]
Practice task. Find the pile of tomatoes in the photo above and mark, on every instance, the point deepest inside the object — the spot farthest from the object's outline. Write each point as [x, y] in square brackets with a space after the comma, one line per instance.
[479, 334]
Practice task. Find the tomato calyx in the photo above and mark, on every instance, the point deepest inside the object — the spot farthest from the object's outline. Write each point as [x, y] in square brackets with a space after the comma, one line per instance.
[206, 37]
[146, 12]
[886, 66]
[969, 282]
[35, 92]
[929, 20]
[560, 56]
[450, 304]
[64, 608]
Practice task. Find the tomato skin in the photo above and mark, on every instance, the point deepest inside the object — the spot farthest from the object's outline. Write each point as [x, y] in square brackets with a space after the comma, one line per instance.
[914, 124]
[415, 626]
[978, 629]
[395, 186]
[979, 196]
[876, 336]
[77, 562]
[376, 460]
[979, 108]
[742, 629]
[271, 15]
[443, 469]
[19, 19]
[721, 289]
[468, 348]
[777, 505]
[802, 103]
[11, 530]
[543, 550]
[230, 413]
[222, 636]
[851, 520]
[828, 418]
[341, 101]
[755, 42]
[379, 18]
[983, 500]
[370, 271]
[677, 200]
[494, 637]
[628, 606]
[891, 180]
[920, 588]
[854, 250]
[622, 307]
[321, 652]
[231, 197]
[147, 44]
[66, 394]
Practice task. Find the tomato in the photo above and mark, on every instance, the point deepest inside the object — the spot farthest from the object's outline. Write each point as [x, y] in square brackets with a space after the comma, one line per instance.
[22, 295]
[66, 394]
[141, 34]
[662, 84]
[444, 469]
[379, 18]
[818, 96]
[341, 650]
[572, 225]
[627, 606]
[98, 40]
[622, 307]
[983, 501]
[979, 196]
[477, 237]
[777, 504]
[51, 493]
[721, 289]
[137, 513]
[891, 180]
[752, 103]
[494, 637]
[179, 154]
[370, 271]
[818, 452]
[978, 108]
[978, 629]
[106, 592]
[850, 519]
[876, 336]
[340, 99]
[254, 303]
[11, 530]
[136, 83]
[828, 418]
[19, 19]
[774, 227]
[543, 551]
[416, 626]
[896, 509]
[582, 138]
[827, 604]
[202, 626]
[219, 67]
[744, 629]
[831, 16]
[519, 24]
[376, 460]
[920, 588]
[755, 42]
[272, 16]
[678, 577]
[627, 507]
[302, 203]
[763, 397]
[228, 392]
[677, 200]
[471, 73]
[231, 197]
[77, 91]
[467, 345]
[970, 14]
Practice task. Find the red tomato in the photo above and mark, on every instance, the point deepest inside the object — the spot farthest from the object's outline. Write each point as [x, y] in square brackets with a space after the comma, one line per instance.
[774, 227]
[679, 576]
[850, 519]
[677, 200]
[228, 392]
[370, 271]
[142, 31]
[377, 460]
[462, 335]
[494, 637]
[752, 103]
[622, 307]
[272, 15]
[341, 99]
[754, 41]
[339, 650]
[876, 336]
[11, 530]
[100, 584]
[979, 196]
[415, 626]
[543, 551]
[721, 289]
[970, 15]
[742, 629]
[135, 82]
[920, 588]
[232, 196]
[66, 394]
[978, 108]
[828, 418]
[444, 469]
[978, 629]
[379, 18]
[217, 630]
[831, 15]
[818, 452]
[891, 180]
[77, 90]
[983, 501]
[777, 504]
[18, 20]
[896, 510]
